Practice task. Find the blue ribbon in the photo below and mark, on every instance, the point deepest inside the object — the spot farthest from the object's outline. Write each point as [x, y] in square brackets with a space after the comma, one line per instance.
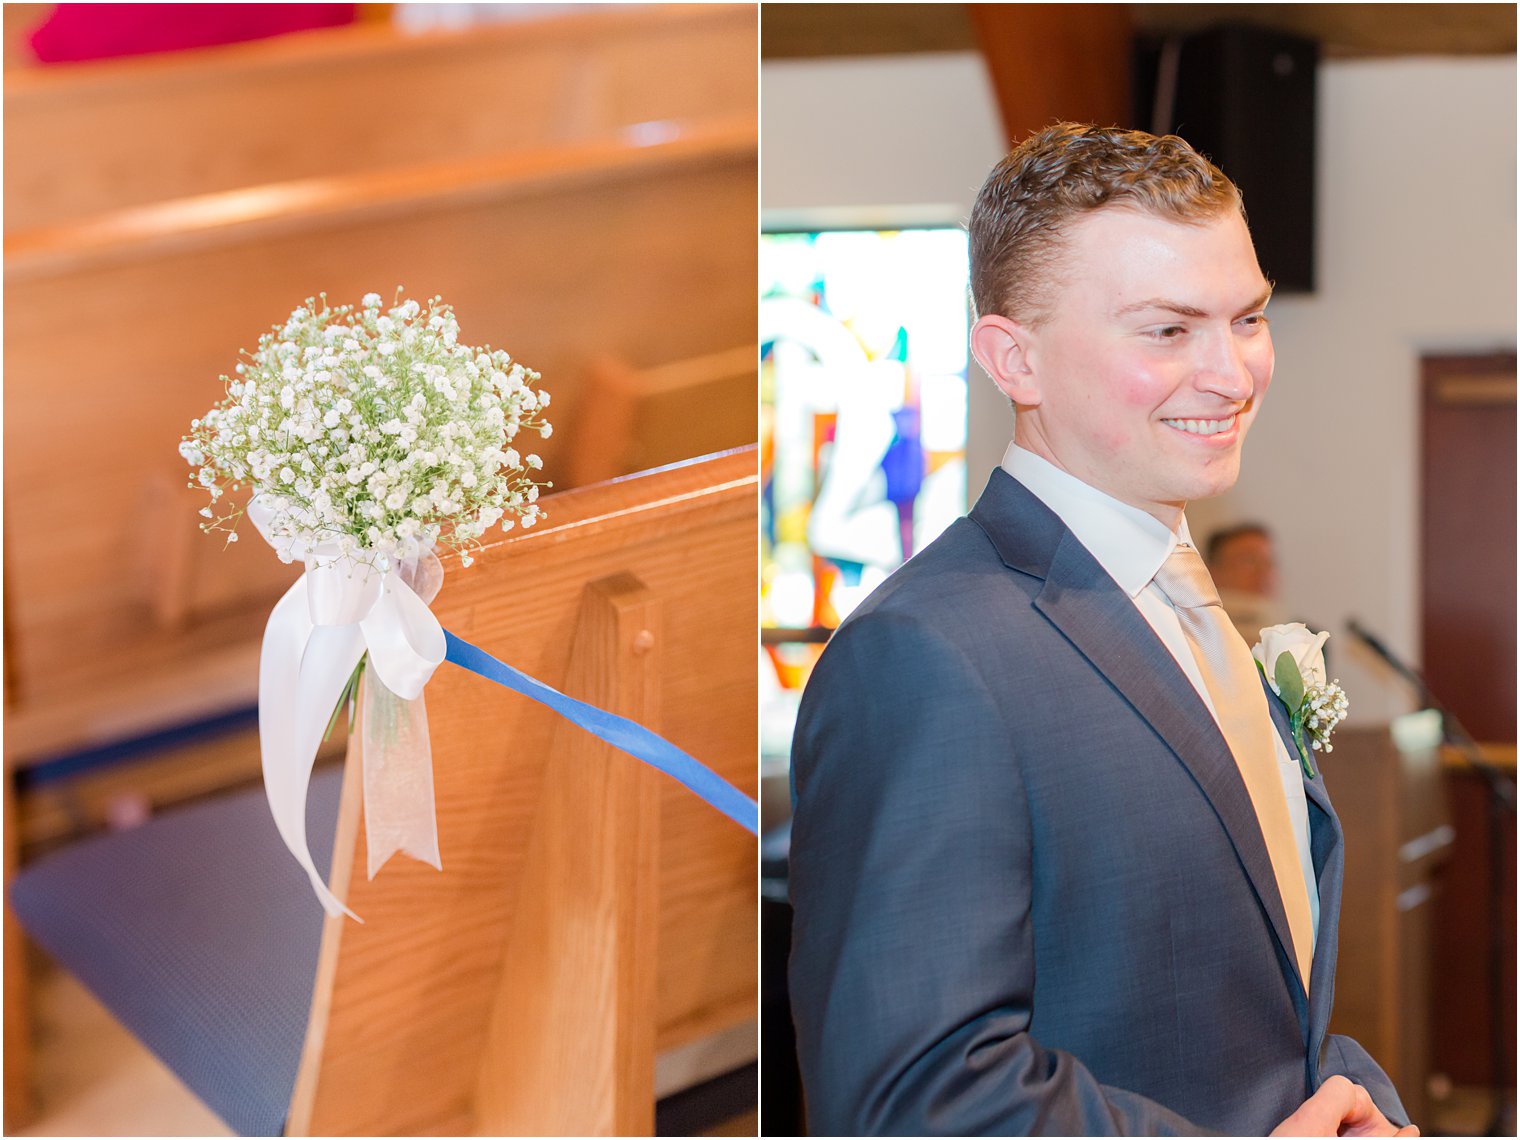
[620, 732]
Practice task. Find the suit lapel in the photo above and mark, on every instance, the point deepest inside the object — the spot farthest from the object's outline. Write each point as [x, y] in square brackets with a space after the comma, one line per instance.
[1099, 619]
[1328, 853]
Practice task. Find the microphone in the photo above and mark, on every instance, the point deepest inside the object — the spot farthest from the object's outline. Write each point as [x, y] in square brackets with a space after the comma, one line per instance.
[1453, 729]
[1390, 658]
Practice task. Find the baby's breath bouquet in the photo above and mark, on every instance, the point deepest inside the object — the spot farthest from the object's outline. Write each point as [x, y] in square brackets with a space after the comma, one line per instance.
[366, 437]
[375, 430]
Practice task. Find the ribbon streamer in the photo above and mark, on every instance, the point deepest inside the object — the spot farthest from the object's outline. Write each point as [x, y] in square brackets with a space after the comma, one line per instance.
[340, 609]
[620, 732]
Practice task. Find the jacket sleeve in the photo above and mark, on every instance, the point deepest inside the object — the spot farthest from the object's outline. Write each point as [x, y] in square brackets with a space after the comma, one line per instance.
[912, 970]
[1345, 1056]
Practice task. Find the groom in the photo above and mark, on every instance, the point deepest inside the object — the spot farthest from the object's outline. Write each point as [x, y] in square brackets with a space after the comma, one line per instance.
[1055, 869]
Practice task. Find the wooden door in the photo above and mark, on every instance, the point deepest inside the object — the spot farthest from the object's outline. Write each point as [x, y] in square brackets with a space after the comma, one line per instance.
[1467, 626]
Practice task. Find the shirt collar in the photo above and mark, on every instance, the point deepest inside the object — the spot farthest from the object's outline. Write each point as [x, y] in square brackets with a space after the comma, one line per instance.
[1128, 543]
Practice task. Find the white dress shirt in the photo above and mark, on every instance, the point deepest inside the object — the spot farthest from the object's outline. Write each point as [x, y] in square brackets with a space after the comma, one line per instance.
[1132, 545]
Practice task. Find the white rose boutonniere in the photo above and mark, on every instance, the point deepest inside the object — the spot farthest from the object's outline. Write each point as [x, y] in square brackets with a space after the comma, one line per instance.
[1291, 657]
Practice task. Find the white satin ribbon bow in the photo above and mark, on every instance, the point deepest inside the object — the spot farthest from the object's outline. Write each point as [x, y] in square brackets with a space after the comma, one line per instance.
[338, 610]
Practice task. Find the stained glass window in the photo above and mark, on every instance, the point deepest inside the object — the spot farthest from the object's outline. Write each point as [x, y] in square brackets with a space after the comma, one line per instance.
[863, 421]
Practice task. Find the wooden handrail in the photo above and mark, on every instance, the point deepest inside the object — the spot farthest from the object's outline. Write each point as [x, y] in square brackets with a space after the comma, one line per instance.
[618, 502]
[1496, 755]
[782, 635]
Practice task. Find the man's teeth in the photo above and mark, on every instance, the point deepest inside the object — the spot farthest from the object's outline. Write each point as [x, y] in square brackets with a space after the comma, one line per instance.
[1201, 427]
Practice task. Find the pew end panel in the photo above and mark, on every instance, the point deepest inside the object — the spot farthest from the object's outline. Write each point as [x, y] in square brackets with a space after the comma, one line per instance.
[468, 1002]
[571, 1043]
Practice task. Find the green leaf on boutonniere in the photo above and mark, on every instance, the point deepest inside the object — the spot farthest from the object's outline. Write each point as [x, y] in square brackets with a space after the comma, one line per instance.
[1290, 683]
[1290, 690]
[1296, 730]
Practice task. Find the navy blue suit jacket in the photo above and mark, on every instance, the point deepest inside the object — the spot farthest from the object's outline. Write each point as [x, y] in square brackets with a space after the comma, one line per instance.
[1031, 892]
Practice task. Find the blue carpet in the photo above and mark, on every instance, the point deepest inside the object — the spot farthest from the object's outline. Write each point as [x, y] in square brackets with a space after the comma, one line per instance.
[200, 932]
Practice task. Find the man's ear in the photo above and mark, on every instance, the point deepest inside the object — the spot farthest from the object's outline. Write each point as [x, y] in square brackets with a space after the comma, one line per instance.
[1001, 347]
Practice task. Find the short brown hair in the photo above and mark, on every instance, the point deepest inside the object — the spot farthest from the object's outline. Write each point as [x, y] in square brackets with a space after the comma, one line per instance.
[1062, 172]
[1223, 537]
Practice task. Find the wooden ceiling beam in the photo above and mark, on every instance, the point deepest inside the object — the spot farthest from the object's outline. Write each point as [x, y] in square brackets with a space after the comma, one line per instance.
[1354, 30]
[802, 31]
[1056, 62]
[810, 31]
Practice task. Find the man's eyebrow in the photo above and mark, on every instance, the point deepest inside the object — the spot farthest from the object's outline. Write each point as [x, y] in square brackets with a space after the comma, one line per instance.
[1184, 310]
[1163, 304]
[1261, 300]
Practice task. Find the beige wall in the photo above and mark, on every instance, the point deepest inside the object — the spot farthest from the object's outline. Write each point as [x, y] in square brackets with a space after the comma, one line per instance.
[1416, 233]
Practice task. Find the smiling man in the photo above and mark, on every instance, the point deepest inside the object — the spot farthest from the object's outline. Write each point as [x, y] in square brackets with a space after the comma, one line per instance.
[1055, 865]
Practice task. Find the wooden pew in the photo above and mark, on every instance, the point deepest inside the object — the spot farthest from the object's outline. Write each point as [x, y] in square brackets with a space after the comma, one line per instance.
[650, 412]
[87, 139]
[117, 328]
[512, 994]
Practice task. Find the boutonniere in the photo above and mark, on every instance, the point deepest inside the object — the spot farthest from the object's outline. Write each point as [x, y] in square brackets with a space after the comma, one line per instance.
[1291, 657]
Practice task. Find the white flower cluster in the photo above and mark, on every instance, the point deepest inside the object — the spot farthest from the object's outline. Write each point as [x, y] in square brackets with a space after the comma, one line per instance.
[1324, 708]
[374, 431]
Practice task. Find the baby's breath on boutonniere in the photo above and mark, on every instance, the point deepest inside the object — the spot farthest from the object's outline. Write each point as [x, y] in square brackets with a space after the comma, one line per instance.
[1315, 705]
[375, 429]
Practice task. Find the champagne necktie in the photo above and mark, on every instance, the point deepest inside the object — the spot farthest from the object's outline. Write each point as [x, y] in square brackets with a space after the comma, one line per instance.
[1229, 673]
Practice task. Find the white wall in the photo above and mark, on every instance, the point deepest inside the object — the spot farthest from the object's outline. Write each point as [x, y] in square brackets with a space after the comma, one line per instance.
[1416, 247]
[886, 141]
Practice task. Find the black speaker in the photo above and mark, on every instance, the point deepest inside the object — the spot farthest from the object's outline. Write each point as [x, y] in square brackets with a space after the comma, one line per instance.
[1245, 97]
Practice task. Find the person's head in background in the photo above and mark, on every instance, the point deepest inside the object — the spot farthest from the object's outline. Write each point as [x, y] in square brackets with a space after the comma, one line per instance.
[1241, 558]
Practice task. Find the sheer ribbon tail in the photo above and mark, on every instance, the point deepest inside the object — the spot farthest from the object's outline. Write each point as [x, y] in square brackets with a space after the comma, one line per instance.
[399, 810]
[405, 645]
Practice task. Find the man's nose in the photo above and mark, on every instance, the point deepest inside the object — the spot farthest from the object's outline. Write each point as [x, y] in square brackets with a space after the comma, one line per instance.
[1224, 372]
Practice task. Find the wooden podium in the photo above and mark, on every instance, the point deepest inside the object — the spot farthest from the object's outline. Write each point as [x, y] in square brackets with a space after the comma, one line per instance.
[1393, 811]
